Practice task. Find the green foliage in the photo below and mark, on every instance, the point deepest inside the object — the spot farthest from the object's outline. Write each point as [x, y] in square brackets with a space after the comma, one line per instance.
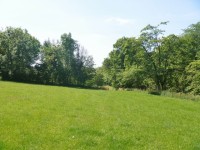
[50, 117]
[192, 35]
[152, 61]
[51, 64]
[61, 63]
[173, 47]
[151, 41]
[98, 77]
[133, 78]
[127, 52]
[18, 52]
[193, 77]
[162, 62]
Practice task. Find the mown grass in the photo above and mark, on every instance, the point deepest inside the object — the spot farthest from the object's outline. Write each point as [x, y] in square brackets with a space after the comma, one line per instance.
[49, 117]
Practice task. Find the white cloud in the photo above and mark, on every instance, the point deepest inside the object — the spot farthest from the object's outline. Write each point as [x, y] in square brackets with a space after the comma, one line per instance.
[120, 21]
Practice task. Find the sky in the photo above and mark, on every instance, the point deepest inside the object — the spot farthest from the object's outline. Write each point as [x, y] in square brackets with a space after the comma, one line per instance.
[96, 24]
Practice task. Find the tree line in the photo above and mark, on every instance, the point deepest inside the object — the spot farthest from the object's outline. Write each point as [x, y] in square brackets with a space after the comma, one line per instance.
[151, 61]
[23, 58]
[154, 61]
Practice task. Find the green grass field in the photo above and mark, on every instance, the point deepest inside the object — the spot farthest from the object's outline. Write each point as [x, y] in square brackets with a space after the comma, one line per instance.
[36, 117]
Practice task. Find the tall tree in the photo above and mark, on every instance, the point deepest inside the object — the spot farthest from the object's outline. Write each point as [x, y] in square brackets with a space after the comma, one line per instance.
[62, 66]
[126, 53]
[18, 52]
[69, 47]
[151, 38]
[51, 66]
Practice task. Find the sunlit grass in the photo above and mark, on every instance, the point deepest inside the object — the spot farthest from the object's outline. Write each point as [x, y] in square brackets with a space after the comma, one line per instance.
[50, 117]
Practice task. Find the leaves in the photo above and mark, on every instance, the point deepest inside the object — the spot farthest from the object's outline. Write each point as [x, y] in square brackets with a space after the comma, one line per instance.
[163, 61]
[19, 50]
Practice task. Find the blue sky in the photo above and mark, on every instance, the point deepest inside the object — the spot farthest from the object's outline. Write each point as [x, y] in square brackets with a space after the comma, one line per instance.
[96, 24]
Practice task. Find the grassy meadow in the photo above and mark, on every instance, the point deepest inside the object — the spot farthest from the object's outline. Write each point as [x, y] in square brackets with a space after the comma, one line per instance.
[37, 117]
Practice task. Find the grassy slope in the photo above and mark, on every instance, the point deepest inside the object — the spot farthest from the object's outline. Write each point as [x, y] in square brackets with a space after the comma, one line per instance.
[45, 117]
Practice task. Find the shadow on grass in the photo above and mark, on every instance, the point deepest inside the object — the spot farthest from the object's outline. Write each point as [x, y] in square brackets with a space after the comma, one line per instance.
[62, 85]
